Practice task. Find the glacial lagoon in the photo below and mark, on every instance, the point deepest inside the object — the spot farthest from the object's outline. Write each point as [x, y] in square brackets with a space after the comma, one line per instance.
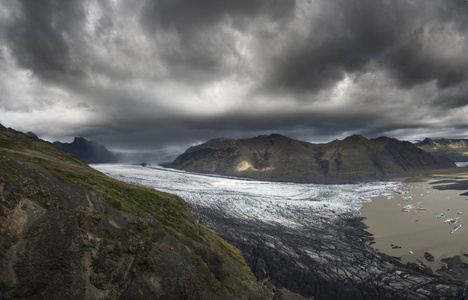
[421, 219]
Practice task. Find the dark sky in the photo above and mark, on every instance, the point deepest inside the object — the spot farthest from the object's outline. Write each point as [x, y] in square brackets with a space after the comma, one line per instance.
[149, 74]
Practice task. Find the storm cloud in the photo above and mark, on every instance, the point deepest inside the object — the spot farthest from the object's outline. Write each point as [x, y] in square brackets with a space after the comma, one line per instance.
[149, 74]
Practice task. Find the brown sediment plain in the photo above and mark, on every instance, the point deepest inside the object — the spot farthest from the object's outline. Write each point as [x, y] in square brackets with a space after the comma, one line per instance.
[409, 224]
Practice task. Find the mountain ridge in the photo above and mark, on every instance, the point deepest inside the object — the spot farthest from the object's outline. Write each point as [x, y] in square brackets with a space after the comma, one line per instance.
[279, 158]
[454, 149]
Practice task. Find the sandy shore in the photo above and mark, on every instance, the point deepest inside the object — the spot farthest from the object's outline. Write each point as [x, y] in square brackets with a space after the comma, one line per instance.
[414, 222]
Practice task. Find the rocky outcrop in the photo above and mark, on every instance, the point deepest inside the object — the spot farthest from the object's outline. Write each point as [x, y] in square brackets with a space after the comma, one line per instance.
[279, 158]
[69, 232]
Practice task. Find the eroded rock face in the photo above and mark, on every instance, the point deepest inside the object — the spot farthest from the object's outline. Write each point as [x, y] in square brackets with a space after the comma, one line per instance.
[60, 241]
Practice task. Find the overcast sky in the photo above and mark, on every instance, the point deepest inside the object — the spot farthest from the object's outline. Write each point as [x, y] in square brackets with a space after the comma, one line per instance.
[148, 74]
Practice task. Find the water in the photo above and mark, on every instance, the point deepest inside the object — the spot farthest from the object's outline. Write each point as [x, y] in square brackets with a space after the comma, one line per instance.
[420, 220]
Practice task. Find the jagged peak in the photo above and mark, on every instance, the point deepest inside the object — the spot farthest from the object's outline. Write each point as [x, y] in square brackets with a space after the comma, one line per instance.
[79, 139]
[427, 141]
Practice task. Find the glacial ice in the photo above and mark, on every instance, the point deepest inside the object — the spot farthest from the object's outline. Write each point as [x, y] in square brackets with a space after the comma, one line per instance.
[289, 204]
[452, 220]
[455, 229]
[407, 208]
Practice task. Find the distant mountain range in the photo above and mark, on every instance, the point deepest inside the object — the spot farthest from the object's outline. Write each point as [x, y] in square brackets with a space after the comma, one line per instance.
[454, 149]
[89, 151]
[280, 158]
[92, 152]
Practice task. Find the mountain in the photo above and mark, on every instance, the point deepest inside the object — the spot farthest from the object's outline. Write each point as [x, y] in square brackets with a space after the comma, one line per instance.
[454, 149]
[207, 144]
[88, 151]
[280, 158]
[382, 139]
[69, 232]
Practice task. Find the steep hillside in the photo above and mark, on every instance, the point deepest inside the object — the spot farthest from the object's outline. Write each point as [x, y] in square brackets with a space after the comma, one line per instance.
[454, 149]
[70, 232]
[279, 158]
[89, 151]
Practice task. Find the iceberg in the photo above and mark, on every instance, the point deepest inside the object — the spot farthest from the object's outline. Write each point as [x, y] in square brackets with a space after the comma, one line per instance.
[455, 229]
[407, 208]
[452, 220]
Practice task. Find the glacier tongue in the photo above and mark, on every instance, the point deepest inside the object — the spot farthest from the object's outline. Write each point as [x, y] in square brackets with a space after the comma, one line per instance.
[288, 204]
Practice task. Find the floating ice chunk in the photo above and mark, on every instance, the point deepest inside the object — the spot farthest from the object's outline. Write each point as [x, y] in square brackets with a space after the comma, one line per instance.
[420, 209]
[407, 198]
[452, 220]
[407, 208]
[455, 229]
[441, 215]
[411, 252]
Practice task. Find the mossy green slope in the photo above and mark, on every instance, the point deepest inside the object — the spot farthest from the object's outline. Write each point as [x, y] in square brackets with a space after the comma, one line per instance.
[153, 235]
[280, 158]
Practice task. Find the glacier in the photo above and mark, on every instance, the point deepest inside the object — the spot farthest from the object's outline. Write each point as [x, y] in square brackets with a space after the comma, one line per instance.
[288, 204]
[308, 238]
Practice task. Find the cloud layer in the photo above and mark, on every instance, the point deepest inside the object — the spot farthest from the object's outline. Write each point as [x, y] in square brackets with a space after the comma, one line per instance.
[147, 74]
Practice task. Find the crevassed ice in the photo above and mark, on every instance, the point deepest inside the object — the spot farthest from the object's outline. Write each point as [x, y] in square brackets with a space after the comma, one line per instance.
[289, 204]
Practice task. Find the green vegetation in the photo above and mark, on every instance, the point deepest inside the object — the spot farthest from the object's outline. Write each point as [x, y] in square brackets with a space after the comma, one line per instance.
[214, 255]
[170, 210]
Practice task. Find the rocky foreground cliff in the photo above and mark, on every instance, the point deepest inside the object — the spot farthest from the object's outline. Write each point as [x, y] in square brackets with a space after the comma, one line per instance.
[69, 232]
[279, 158]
